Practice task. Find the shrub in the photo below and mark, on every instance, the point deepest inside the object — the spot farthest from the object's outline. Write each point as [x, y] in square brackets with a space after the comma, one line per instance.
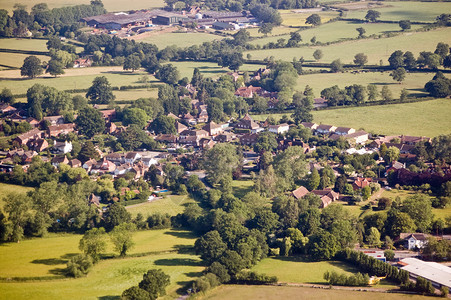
[246, 277]
[79, 265]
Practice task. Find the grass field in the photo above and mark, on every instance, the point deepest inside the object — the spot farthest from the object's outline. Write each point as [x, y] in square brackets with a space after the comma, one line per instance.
[375, 49]
[171, 204]
[15, 60]
[429, 118]
[110, 5]
[290, 18]
[23, 44]
[275, 32]
[5, 189]
[226, 292]
[135, 94]
[208, 69]
[242, 187]
[179, 39]
[408, 10]
[42, 257]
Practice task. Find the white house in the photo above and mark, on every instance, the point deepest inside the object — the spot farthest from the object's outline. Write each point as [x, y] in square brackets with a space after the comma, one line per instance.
[148, 161]
[277, 129]
[416, 241]
[131, 157]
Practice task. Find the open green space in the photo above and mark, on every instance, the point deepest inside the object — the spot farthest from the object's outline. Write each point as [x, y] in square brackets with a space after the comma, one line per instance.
[428, 118]
[110, 5]
[279, 30]
[226, 292]
[242, 187]
[375, 49]
[179, 39]
[170, 204]
[208, 69]
[5, 189]
[136, 94]
[296, 18]
[15, 60]
[47, 256]
[23, 44]
[336, 31]
[406, 10]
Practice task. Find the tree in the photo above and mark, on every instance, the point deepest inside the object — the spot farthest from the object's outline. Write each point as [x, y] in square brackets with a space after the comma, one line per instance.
[442, 50]
[439, 86]
[295, 38]
[55, 68]
[399, 74]
[372, 15]
[31, 67]
[360, 59]
[79, 265]
[396, 59]
[210, 246]
[215, 109]
[336, 66]
[373, 93]
[135, 293]
[134, 138]
[266, 28]
[391, 155]
[314, 20]
[361, 32]
[163, 124]
[220, 161]
[17, 207]
[135, 116]
[121, 236]
[93, 243]
[318, 54]
[419, 208]
[266, 141]
[232, 60]
[322, 245]
[241, 37]
[90, 122]
[88, 151]
[155, 283]
[132, 62]
[116, 215]
[398, 222]
[386, 93]
[6, 96]
[100, 91]
[374, 237]
[168, 74]
[313, 180]
[403, 96]
[405, 24]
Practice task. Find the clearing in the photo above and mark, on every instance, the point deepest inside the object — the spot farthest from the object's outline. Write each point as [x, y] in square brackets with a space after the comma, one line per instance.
[170, 204]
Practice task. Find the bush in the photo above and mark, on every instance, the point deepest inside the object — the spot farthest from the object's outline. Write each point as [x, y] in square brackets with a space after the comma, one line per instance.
[79, 266]
[389, 254]
[358, 279]
[159, 221]
[205, 283]
[246, 277]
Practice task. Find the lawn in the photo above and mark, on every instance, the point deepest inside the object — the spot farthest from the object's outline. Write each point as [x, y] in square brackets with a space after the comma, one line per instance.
[15, 60]
[45, 256]
[179, 39]
[226, 292]
[171, 204]
[23, 44]
[110, 5]
[409, 10]
[375, 49]
[242, 187]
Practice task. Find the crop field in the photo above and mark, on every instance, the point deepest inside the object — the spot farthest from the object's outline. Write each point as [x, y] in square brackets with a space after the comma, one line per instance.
[180, 39]
[409, 10]
[110, 5]
[15, 60]
[45, 256]
[262, 292]
[414, 82]
[171, 204]
[428, 118]
[375, 49]
[23, 44]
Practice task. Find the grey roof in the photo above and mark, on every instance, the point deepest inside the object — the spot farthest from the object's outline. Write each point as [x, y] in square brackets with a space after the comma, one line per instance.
[430, 270]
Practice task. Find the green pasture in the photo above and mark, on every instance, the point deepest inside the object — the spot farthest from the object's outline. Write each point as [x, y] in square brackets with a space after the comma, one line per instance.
[170, 204]
[414, 82]
[110, 5]
[336, 31]
[5, 189]
[15, 60]
[136, 94]
[293, 18]
[242, 187]
[181, 40]
[23, 44]
[208, 69]
[275, 32]
[226, 292]
[406, 10]
[428, 118]
[376, 49]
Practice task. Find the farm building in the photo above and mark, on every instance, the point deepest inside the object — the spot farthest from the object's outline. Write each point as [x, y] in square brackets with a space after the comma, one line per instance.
[224, 26]
[168, 18]
[117, 21]
[438, 274]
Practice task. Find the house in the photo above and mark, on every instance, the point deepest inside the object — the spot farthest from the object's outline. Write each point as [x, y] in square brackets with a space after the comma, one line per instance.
[192, 137]
[309, 125]
[122, 169]
[166, 138]
[110, 128]
[117, 158]
[395, 165]
[206, 143]
[319, 102]
[344, 130]
[234, 75]
[249, 139]
[38, 145]
[414, 241]
[179, 127]
[299, 192]
[62, 147]
[360, 183]
[54, 120]
[94, 200]
[359, 137]
[173, 116]
[56, 130]
[6, 108]
[131, 157]
[139, 169]
[189, 119]
[251, 91]
[278, 129]
[148, 161]
[247, 123]
[412, 140]
[75, 163]
[33, 134]
[327, 196]
[103, 166]
[108, 114]
[57, 160]
[325, 129]
[225, 137]
[88, 165]
[212, 128]
[32, 121]
[203, 116]
[82, 63]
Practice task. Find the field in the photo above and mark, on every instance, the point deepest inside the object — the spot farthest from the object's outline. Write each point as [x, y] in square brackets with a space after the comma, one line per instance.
[208, 69]
[38, 257]
[23, 44]
[5, 189]
[275, 32]
[110, 5]
[291, 18]
[242, 187]
[413, 11]
[227, 292]
[179, 39]
[15, 60]
[171, 204]
[429, 118]
[375, 49]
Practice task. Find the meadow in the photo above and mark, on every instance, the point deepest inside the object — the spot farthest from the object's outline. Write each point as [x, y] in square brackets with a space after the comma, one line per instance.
[170, 204]
[15, 60]
[226, 292]
[108, 278]
[376, 49]
[110, 5]
[428, 118]
[179, 39]
[5, 189]
[295, 18]
[24, 44]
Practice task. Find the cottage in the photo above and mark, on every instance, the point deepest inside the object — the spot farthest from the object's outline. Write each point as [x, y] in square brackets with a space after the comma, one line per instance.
[279, 129]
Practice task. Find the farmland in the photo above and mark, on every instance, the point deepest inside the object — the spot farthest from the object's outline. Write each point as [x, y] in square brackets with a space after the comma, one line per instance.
[23, 44]
[291, 292]
[427, 118]
[179, 39]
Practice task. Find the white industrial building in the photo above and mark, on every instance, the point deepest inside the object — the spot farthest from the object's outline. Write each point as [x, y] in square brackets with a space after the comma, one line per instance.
[439, 275]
